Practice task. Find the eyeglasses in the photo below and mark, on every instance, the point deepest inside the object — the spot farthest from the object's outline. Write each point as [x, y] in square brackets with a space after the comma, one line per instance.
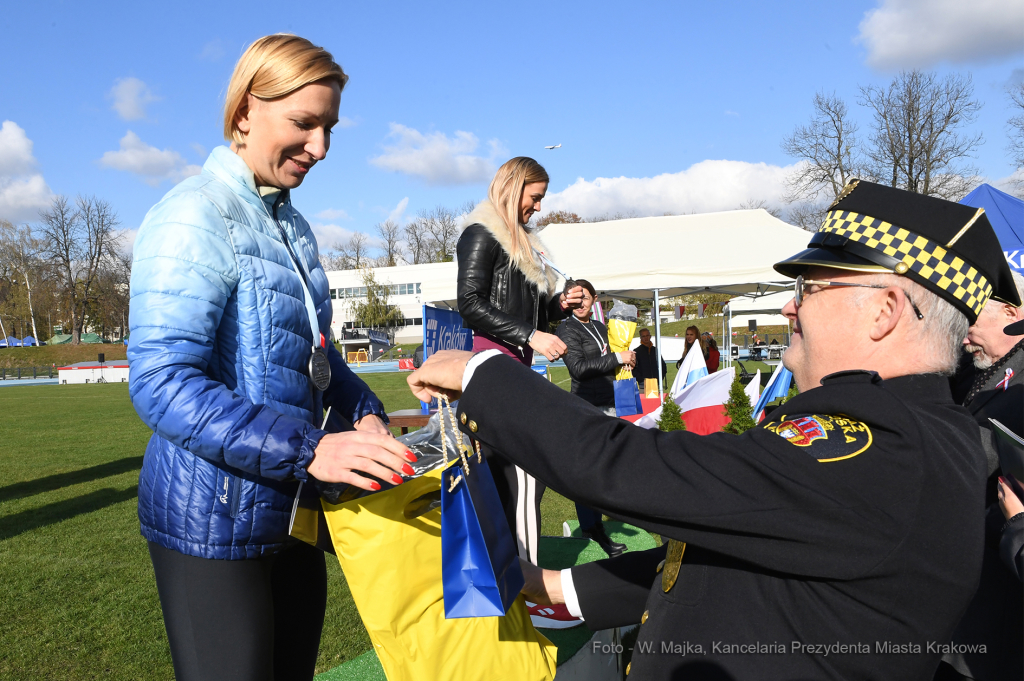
[800, 291]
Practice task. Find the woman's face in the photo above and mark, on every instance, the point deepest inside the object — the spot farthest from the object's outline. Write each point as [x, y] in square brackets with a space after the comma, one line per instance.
[285, 137]
[690, 336]
[533, 193]
[583, 311]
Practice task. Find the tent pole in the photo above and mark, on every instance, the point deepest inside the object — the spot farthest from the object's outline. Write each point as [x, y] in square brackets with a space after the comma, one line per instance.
[657, 341]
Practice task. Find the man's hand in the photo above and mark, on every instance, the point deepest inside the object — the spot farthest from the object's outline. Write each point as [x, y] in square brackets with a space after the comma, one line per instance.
[441, 373]
[340, 457]
[371, 423]
[1009, 504]
[541, 586]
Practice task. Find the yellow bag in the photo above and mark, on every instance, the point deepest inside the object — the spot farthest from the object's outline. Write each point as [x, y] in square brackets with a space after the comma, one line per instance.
[620, 335]
[390, 550]
[650, 387]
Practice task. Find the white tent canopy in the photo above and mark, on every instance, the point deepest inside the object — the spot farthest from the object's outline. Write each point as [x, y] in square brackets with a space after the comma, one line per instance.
[764, 309]
[729, 252]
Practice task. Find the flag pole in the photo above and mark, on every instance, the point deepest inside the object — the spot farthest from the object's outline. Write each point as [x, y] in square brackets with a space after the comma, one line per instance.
[657, 341]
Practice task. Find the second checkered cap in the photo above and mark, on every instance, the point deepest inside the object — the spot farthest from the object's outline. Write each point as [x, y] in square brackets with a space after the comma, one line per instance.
[946, 247]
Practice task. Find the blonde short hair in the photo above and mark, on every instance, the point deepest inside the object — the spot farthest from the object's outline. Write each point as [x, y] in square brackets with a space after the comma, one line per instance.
[506, 193]
[272, 67]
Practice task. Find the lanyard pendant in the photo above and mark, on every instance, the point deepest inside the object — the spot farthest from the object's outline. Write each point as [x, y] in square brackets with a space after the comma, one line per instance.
[320, 369]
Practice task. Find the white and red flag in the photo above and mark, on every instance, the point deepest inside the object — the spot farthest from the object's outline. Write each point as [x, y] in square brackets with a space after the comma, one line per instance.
[702, 404]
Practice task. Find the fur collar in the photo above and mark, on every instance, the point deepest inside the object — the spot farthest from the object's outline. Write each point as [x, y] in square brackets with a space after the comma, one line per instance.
[535, 272]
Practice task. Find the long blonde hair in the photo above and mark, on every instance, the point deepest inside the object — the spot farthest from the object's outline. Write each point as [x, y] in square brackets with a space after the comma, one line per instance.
[506, 193]
[274, 66]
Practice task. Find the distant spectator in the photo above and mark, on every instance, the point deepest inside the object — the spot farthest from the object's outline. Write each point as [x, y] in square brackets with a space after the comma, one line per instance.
[693, 338]
[647, 359]
[712, 357]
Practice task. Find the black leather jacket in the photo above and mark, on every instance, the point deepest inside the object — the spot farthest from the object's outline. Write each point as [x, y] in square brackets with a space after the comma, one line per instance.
[494, 296]
[592, 374]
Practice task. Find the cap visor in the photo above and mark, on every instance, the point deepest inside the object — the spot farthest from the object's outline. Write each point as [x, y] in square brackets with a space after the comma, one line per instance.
[1015, 329]
[826, 257]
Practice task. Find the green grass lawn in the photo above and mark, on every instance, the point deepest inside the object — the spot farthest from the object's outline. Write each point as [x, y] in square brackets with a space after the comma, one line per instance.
[77, 594]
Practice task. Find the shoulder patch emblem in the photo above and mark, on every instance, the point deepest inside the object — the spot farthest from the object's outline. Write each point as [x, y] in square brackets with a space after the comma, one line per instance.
[826, 437]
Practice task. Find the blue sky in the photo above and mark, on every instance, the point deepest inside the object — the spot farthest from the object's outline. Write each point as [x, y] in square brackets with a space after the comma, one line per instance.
[659, 107]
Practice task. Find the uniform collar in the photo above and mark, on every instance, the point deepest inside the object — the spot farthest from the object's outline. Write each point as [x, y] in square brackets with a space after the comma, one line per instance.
[917, 387]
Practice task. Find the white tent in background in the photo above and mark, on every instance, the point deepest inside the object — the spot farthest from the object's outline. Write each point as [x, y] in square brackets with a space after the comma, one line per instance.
[765, 310]
[729, 252]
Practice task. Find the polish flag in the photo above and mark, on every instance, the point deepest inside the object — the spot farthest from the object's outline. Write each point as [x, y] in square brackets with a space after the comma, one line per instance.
[753, 389]
[693, 368]
[702, 404]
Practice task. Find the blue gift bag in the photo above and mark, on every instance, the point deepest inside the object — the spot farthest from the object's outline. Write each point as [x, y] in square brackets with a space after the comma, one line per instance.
[627, 397]
[479, 563]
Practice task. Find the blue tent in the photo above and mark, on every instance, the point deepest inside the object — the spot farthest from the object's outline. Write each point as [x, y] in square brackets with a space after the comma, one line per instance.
[1006, 214]
[29, 340]
[10, 341]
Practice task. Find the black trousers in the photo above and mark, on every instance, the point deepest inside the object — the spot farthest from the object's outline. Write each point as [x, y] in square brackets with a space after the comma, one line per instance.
[250, 620]
[520, 495]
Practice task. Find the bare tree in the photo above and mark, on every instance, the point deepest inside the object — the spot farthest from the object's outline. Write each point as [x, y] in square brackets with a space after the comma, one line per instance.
[355, 251]
[390, 234]
[829, 148]
[808, 216]
[1016, 130]
[78, 240]
[419, 242]
[443, 226]
[917, 141]
[559, 217]
[333, 260]
[755, 204]
[21, 252]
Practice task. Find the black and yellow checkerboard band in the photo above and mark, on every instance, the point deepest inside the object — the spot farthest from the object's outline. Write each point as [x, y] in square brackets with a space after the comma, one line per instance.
[922, 256]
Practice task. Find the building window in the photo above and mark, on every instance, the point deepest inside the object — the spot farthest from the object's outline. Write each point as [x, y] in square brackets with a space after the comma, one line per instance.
[334, 293]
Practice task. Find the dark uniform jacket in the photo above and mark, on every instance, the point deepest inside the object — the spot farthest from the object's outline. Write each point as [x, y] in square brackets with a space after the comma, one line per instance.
[852, 517]
[591, 372]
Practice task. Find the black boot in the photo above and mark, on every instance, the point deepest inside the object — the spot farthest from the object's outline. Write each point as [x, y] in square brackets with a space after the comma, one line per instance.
[598, 534]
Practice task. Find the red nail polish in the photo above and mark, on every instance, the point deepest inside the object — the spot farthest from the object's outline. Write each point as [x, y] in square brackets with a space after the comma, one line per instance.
[409, 455]
[374, 485]
[407, 469]
[395, 478]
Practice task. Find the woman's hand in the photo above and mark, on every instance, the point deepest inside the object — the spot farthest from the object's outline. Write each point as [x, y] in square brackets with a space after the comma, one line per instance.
[548, 344]
[371, 423]
[541, 586]
[572, 299]
[627, 357]
[340, 457]
[1009, 503]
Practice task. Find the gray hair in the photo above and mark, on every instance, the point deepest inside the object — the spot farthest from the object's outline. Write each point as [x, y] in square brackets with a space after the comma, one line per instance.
[941, 332]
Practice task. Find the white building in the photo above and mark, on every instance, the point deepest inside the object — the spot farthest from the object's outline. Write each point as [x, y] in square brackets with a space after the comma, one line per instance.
[410, 287]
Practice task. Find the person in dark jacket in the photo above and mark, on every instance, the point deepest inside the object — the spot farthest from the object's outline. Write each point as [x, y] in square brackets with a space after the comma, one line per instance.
[592, 369]
[647, 359]
[507, 295]
[994, 373]
[231, 371]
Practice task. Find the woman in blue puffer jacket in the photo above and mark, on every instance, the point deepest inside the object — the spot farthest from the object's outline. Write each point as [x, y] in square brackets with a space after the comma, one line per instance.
[230, 369]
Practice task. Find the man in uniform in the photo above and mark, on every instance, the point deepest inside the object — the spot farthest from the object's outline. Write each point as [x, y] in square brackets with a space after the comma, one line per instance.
[841, 537]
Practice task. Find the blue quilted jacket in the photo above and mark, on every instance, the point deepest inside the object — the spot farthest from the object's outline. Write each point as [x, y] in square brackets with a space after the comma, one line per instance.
[220, 340]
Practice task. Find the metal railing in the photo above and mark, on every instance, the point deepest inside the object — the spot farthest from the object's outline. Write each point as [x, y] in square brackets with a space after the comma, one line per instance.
[18, 373]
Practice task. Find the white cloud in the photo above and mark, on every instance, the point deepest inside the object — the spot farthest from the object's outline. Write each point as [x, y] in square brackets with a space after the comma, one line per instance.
[131, 97]
[330, 235]
[152, 164]
[437, 158]
[23, 191]
[212, 51]
[332, 214]
[345, 122]
[921, 33]
[703, 187]
[399, 210]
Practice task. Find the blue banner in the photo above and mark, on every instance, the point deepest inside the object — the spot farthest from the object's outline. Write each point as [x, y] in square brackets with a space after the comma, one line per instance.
[379, 337]
[442, 330]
